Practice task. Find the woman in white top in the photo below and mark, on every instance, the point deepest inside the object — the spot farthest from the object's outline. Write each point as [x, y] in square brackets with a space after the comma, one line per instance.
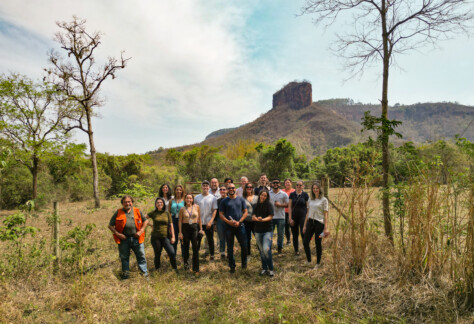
[165, 193]
[316, 222]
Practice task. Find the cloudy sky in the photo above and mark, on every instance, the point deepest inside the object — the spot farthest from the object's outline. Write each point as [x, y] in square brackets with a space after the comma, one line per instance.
[198, 66]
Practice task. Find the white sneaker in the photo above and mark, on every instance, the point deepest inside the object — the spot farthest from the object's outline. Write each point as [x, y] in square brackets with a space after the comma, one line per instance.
[263, 272]
[271, 273]
[317, 266]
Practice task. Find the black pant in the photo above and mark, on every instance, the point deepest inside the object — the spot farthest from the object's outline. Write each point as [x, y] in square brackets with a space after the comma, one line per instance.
[190, 234]
[210, 238]
[249, 229]
[176, 232]
[158, 244]
[296, 229]
[287, 227]
[313, 227]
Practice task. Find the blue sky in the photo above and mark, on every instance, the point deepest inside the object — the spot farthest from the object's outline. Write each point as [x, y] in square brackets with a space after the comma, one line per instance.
[198, 66]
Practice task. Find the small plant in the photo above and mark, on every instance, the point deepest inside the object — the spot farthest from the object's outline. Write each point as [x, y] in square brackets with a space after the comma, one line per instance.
[14, 231]
[77, 245]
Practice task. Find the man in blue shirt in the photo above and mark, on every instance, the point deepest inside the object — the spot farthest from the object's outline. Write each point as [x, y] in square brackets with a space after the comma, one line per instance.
[233, 211]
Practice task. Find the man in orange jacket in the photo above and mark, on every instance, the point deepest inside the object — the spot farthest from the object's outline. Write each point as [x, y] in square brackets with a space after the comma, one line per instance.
[128, 226]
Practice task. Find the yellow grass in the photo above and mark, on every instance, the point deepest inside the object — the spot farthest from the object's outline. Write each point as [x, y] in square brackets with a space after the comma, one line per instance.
[297, 294]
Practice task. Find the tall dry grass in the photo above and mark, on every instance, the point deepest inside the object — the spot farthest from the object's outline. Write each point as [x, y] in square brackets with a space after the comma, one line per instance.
[378, 292]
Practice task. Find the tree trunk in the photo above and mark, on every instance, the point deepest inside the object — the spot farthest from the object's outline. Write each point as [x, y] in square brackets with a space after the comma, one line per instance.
[95, 172]
[385, 130]
[34, 173]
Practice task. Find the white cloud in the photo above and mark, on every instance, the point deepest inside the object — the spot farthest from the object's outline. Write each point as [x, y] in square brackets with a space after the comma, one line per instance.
[198, 66]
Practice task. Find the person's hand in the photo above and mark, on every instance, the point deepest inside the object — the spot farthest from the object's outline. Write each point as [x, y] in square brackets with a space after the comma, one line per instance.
[202, 232]
[259, 218]
[172, 240]
[277, 204]
[292, 222]
[121, 236]
[138, 234]
[304, 229]
[180, 236]
[236, 223]
[208, 226]
[326, 233]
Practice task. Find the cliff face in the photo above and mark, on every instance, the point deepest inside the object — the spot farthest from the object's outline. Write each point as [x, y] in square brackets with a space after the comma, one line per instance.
[296, 95]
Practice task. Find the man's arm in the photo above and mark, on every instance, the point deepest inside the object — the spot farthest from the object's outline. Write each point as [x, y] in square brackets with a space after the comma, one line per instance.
[244, 215]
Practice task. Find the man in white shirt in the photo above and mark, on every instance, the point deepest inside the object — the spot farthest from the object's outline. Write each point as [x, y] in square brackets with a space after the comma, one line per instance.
[214, 188]
[279, 200]
[208, 207]
[243, 181]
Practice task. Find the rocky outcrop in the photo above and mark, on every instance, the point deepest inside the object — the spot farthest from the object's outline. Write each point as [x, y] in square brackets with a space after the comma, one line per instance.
[295, 94]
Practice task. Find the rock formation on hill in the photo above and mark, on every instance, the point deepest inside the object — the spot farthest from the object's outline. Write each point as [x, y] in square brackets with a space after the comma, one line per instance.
[296, 95]
[314, 127]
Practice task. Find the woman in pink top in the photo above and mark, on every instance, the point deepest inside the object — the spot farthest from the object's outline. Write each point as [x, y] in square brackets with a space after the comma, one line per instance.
[288, 189]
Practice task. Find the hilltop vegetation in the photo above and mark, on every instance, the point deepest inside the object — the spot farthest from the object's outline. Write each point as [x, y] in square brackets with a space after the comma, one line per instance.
[334, 123]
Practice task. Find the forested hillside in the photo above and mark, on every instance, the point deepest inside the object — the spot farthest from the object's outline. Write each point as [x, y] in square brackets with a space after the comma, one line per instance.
[333, 123]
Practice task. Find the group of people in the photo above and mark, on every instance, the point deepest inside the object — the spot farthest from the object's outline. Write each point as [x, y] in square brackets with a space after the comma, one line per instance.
[232, 212]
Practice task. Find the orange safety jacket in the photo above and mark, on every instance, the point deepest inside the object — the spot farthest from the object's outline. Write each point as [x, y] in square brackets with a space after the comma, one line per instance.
[121, 220]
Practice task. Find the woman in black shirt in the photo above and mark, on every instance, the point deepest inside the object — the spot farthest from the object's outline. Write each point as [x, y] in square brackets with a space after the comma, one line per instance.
[262, 216]
[297, 207]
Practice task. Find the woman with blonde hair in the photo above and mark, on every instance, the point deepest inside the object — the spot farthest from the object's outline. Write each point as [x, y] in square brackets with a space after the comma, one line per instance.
[316, 222]
[175, 206]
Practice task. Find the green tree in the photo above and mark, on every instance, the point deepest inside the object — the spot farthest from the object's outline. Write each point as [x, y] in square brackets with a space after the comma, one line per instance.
[32, 119]
[80, 78]
[382, 30]
[203, 162]
[123, 170]
[278, 160]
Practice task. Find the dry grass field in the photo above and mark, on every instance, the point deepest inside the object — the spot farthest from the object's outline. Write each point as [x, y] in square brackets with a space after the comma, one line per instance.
[297, 294]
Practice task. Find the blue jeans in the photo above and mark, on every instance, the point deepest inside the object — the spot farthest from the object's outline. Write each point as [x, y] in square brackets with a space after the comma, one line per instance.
[139, 250]
[221, 227]
[238, 232]
[280, 225]
[264, 243]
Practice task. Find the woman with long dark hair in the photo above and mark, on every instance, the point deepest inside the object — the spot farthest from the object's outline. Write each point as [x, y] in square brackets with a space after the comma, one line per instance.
[160, 235]
[297, 209]
[189, 227]
[251, 202]
[174, 207]
[316, 222]
[165, 193]
[262, 215]
[288, 189]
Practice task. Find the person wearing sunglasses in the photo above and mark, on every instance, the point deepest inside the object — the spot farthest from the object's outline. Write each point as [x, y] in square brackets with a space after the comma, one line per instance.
[288, 189]
[279, 199]
[233, 211]
[251, 201]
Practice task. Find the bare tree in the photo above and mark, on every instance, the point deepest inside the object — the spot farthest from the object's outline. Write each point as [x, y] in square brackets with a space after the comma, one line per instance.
[80, 78]
[32, 118]
[382, 29]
